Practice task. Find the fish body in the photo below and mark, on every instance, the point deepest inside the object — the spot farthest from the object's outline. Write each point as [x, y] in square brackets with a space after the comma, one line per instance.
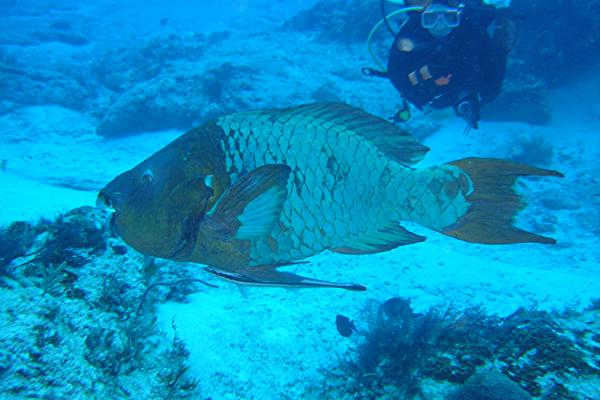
[341, 186]
[344, 325]
[254, 191]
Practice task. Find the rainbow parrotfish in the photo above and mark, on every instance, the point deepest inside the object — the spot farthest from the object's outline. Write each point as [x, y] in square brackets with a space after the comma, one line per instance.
[251, 192]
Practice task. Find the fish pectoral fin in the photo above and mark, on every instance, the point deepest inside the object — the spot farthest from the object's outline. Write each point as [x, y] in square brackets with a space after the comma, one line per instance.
[267, 275]
[385, 239]
[252, 205]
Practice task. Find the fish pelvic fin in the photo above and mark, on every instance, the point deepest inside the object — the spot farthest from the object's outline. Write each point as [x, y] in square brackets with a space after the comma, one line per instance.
[252, 205]
[267, 275]
[493, 202]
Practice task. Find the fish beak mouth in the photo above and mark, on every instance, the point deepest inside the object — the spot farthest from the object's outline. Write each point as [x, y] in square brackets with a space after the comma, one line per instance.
[103, 201]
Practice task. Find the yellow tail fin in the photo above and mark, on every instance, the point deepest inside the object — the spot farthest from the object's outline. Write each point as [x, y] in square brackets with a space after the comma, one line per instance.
[494, 202]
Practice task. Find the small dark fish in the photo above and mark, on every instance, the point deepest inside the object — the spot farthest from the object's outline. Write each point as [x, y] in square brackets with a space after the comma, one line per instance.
[3, 165]
[345, 326]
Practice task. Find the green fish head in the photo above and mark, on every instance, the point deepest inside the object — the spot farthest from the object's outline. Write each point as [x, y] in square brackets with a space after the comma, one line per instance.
[159, 204]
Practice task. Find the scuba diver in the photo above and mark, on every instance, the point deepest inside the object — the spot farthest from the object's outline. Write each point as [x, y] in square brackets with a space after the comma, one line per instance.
[448, 53]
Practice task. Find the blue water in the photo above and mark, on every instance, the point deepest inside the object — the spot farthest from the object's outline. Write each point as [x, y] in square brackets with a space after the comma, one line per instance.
[90, 89]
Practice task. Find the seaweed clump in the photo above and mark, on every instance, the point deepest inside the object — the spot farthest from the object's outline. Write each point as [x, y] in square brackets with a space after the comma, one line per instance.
[397, 348]
[72, 238]
[402, 350]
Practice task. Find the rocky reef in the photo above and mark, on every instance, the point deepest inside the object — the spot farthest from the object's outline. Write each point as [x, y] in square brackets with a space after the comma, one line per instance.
[338, 21]
[176, 80]
[411, 355]
[489, 385]
[79, 316]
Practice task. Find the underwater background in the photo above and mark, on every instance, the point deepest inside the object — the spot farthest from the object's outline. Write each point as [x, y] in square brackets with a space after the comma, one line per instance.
[90, 89]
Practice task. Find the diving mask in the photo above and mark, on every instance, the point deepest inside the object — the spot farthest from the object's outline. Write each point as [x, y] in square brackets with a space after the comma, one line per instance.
[440, 19]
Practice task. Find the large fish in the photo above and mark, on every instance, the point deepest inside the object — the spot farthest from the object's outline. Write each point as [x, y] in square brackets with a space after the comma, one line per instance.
[254, 191]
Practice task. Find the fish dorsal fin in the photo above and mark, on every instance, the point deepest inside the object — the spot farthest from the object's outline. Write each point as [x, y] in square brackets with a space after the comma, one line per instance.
[384, 239]
[252, 205]
[393, 141]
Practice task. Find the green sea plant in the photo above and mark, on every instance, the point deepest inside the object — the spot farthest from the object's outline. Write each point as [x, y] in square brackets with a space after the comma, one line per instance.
[176, 382]
[115, 295]
[51, 278]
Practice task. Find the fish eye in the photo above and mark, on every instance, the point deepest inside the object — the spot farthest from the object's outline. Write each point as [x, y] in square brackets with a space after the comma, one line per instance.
[147, 176]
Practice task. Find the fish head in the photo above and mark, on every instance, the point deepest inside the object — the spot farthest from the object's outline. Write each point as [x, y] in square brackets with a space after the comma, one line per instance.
[159, 204]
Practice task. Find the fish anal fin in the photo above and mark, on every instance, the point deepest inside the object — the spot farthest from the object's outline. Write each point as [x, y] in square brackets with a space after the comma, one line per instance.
[494, 203]
[252, 205]
[385, 239]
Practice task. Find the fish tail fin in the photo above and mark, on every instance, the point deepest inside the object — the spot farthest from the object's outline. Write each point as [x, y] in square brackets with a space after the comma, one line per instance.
[493, 202]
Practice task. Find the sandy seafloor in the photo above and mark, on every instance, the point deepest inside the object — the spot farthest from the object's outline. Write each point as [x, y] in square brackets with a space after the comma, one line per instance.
[272, 343]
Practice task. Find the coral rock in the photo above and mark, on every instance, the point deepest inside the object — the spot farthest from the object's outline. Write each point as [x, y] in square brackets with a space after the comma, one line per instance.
[489, 385]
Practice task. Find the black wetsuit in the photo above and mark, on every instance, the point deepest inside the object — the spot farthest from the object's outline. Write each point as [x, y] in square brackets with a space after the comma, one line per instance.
[467, 64]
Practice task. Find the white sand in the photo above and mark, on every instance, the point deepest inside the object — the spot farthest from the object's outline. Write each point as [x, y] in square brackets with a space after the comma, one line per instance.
[27, 200]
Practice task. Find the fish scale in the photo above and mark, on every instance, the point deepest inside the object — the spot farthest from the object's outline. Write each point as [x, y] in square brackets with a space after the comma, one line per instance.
[336, 208]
